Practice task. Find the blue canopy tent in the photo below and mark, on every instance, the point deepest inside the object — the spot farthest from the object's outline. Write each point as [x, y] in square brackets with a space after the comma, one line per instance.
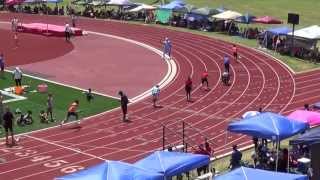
[113, 170]
[172, 163]
[246, 18]
[269, 33]
[309, 138]
[244, 173]
[269, 126]
[174, 5]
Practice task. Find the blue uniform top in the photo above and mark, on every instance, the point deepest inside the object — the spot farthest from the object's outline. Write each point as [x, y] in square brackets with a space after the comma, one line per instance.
[226, 60]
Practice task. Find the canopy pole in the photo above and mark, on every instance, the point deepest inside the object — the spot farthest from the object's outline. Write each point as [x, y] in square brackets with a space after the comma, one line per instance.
[163, 138]
[47, 17]
[183, 136]
[278, 144]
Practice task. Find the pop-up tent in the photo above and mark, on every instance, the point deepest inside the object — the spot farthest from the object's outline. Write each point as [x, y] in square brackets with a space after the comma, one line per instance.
[142, 7]
[205, 11]
[13, 2]
[172, 163]
[164, 13]
[267, 20]
[120, 2]
[283, 30]
[244, 173]
[246, 18]
[227, 15]
[310, 117]
[311, 32]
[269, 126]
[113, 170]
[42, 1]
[310, 137]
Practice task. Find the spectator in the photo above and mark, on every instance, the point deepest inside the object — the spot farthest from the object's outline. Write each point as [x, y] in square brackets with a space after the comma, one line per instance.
[67, 32]
[235, 158]
[17, 76]
[1, 108]
[124, 105]
[8, 126]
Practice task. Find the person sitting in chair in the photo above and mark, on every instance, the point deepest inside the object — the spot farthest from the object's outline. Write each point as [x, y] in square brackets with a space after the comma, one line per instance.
[43, 117]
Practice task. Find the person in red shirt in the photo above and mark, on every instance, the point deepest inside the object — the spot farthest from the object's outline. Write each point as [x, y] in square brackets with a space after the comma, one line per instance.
[235, 52]
[72, 111]
[188, 88]
[204, 79]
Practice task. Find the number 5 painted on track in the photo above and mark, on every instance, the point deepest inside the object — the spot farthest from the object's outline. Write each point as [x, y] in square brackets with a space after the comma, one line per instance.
[71, 169]
[54, 164]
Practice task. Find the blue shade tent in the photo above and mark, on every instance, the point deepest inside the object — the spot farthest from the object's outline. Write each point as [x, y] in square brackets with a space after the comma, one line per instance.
[268, 125]
[113, 170]
[174, 5]
[172, 163]
[279, 30]
[246, 18]
[244, 173]
[309, 138]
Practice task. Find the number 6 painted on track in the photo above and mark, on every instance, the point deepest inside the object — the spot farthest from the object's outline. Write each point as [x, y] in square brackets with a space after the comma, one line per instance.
[71, 169]
[55, 163]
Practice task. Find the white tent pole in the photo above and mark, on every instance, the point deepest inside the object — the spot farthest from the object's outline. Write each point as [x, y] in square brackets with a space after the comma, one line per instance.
[47, 17]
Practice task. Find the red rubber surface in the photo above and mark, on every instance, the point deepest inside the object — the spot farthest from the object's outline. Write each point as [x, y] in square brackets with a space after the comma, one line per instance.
[257, 81]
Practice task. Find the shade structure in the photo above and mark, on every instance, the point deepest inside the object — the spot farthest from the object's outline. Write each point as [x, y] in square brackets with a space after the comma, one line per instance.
[120, 2]
[174, 5]
[246, 18]
[310, 117]
[268, 125]
[13, 2]
[113, 170]
[205, 11]
[267, 20]
[311, 32]
[283, 30]
[42, 1]
[172, 163]
[309, 138]
[227, 15]
[142, 7]
[244, 173]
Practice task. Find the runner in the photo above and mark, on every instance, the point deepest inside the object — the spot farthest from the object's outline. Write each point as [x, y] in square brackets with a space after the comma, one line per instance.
[204, 80]
[73, 20]
[72, 111]
[124, 105]
[226, 63]
[16, 40]
[188, 88]
[67, 32]
[14, 24]
[166, 48]
[155, 95]
[235, 52]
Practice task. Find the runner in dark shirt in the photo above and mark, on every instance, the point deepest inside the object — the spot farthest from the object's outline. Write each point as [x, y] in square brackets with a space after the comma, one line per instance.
[124, 105]
[188, 88]
[8, 125]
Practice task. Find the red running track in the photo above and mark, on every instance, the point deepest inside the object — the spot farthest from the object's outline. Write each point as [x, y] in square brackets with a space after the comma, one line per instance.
[257, 81]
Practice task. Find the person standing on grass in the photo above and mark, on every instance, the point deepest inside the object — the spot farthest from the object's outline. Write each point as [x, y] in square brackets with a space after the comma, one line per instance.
[204, 80]
[72, 111]
[17, 76]
[50, 107]
[1, 65]
[8, 126]
[155, 95]
[188, 88]
[235, 52]
[124, 105]
[226, 63]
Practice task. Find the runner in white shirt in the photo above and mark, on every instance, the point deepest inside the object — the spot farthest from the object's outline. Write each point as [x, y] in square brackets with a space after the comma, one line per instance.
[155, 95]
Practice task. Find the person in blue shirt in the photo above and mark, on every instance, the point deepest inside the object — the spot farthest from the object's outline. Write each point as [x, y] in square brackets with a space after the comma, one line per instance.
[167, 48]
[226, 63]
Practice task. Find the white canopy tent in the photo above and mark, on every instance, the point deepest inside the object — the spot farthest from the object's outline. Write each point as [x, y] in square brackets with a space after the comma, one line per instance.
[311, 32]
[142, 7]
[227, 15]
[120, 2]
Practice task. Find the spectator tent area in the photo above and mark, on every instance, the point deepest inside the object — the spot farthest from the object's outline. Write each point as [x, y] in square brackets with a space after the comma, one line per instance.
[113, 170]
[172, 163]
[312, 139]
[269, 126]
[164, 13]
[243, 173]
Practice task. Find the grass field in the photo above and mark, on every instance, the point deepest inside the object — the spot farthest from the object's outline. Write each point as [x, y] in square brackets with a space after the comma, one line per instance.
[63, 96]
